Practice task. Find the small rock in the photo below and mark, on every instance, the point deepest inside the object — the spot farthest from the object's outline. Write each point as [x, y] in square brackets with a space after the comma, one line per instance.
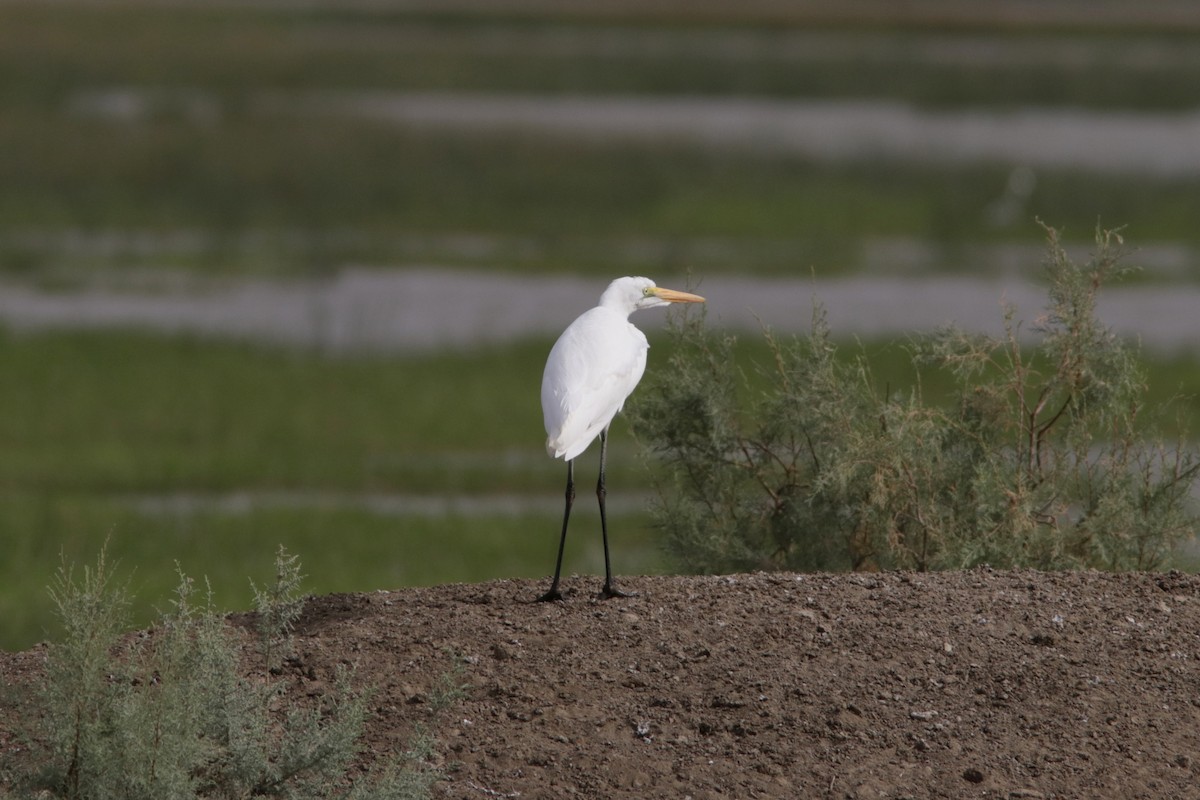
[972, 775]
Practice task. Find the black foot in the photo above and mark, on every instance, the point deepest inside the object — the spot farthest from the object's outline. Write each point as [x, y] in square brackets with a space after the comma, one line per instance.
[609, 592]
[552, 596]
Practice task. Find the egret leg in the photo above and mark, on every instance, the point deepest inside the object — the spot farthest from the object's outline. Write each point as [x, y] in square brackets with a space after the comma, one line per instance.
[554, 593]
[601, 493]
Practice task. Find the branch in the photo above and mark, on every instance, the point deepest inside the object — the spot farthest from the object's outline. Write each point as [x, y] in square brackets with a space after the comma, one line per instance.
[1044, 428]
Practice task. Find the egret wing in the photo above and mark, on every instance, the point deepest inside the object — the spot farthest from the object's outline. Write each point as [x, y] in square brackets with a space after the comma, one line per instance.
[592, 369]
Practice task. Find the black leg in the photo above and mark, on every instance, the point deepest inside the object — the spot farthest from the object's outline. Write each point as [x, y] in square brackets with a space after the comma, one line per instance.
[601, 493]
[554, 593]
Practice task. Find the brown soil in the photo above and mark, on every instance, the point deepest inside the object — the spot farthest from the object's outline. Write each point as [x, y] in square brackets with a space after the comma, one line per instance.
[956, 685]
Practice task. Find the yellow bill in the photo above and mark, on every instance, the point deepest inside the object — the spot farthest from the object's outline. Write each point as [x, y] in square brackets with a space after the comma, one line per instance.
[673, 296]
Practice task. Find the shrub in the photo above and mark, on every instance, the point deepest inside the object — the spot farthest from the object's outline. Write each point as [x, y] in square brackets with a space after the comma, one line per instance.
[1037, 460]
[278, 606]
[170, 714]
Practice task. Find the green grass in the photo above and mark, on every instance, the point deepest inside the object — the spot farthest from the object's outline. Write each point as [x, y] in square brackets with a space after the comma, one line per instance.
[254, 196]
[343, 549]
[228, 185]
[132, 412]
[138, 413]
[48, 50]
[103, 421]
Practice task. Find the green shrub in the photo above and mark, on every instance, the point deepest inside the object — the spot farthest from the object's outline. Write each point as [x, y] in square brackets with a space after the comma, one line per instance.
[279, 606]
[1036, 460]
[169, 713]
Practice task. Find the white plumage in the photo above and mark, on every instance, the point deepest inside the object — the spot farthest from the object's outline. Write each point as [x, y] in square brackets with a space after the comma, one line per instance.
[592, 369]
[596, 363]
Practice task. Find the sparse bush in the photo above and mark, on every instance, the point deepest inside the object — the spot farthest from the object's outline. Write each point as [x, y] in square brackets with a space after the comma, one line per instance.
[279, 606]
[1038, 460]
[170, 714]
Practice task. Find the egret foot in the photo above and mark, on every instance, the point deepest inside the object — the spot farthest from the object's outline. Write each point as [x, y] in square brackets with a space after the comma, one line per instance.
[552, 596]
[609, 592]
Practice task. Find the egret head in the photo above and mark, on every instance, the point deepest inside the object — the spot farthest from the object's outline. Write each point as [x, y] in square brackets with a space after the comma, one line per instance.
[630, 294]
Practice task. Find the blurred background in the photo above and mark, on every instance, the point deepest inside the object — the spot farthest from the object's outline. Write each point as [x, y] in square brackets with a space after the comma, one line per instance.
[287, 272]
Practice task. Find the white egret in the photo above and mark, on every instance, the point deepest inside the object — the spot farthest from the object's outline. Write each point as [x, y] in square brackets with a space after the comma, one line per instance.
[592, 369]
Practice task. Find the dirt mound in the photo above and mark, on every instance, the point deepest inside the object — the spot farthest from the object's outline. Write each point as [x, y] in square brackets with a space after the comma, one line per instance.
[955, 685]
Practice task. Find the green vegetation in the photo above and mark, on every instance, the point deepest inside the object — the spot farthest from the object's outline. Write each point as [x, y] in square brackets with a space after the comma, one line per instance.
[214, 160]
[1039, 461]
[144, 138]
[279, 606]
[173, 714]
[140, 413]
[252, 196]
[143, 438]
[359, 549]
[212, 454]
[47, 50]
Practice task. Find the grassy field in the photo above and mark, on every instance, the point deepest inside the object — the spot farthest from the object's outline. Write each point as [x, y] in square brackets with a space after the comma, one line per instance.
[50, 50]
[180, 137]
[155, 137]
